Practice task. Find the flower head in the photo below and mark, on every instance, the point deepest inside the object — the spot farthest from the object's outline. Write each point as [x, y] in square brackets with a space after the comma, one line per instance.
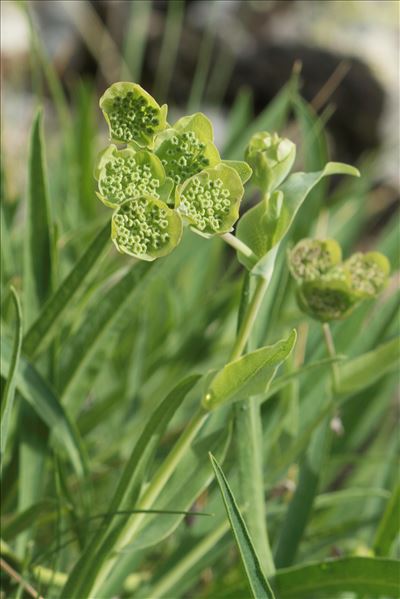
[271, 158]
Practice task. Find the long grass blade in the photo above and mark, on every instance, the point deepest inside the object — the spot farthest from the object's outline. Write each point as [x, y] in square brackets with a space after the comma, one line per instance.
[259, 586]
[9, 389]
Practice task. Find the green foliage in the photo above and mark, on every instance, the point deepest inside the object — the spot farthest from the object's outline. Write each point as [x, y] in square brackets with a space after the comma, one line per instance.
[105, 429]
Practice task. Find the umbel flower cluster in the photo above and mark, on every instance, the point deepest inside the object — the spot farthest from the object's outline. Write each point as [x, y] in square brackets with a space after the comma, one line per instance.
[329, 288]
[161, 177]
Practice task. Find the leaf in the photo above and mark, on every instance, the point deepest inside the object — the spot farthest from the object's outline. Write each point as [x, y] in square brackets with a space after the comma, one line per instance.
[40, 396]
[262, 227]
[37, 267]
[388, 527]
[361, 372]
[376, 577]
[9, 389]
[258, 584]
[248, 375]
[44, 327]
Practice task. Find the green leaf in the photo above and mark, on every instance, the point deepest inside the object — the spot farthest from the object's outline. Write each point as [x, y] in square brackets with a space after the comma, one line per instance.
[376, 577]
[262, 227]
[248, 375]
[388, 528]
[37, 270]
[40, 396]
[363, 371]
[45, 326]
[7, 401]
[258, 584]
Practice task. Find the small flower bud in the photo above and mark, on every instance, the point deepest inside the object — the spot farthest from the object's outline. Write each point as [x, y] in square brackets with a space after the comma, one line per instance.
[326, 299]
[271, 158]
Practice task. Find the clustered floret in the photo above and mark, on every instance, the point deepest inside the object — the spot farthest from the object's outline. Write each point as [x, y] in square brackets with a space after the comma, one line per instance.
[132, 118]
[123, 179]
[183, 155]
[140, 227]
[205, 205]
[310, 260]
[328, 288]
[367, 276]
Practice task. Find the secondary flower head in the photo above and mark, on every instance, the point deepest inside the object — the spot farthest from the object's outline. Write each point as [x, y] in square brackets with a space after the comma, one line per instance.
[146, 228]
[209, 201]
[132, 114]
[329, 289]
[126, 174]
[271, 158]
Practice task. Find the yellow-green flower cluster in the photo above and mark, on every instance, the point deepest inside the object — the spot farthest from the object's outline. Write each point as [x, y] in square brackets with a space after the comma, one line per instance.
[145, 228]
[138, 181]
[209, 201]
[128, 175]
[132, 114]
[329, 289]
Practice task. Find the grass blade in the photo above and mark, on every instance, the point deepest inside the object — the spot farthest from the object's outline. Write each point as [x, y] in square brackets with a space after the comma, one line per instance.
[377, 577]
[169, 49]
[42, 399]
[135, 40]
[388, 527]
[9, 389]
[258, 584]
[44, 327]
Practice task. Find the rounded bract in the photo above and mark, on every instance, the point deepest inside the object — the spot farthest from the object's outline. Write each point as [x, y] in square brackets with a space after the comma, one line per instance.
[368, 273]
[187, 148]
[127, 174]
[326, 300]
[210, 200]
[146, 228]
[132, 114]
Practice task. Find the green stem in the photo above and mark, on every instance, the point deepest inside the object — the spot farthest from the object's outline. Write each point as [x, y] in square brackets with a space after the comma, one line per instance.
[249, 319]
[332, 354]
[239, 246]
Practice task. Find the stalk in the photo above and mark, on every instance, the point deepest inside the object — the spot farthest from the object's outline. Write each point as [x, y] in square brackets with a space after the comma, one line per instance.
[332, 354]
[249, 445]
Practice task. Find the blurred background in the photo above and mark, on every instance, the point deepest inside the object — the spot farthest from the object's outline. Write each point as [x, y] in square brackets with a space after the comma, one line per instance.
[205, 54]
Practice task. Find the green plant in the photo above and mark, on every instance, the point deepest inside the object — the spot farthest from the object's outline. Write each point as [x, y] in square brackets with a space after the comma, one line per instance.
[115, 455]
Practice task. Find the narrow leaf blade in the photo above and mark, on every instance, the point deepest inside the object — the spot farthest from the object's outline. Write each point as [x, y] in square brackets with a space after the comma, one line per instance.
[258, 584]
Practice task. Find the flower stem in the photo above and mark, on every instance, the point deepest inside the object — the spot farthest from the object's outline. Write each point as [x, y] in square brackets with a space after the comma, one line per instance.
[239, 246]
[249, 319]
[332, 353]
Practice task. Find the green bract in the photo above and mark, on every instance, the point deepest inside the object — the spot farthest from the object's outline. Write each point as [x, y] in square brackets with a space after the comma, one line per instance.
[271, 158]
[311, 259]
[128, 174]
[210, 200]
[368, 273]
[145, 228]
[187, 148]
[132, 114]
[326, 299]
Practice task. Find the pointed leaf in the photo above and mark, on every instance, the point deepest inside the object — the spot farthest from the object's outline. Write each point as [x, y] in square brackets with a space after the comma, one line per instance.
[258, 584]
[249, 375]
